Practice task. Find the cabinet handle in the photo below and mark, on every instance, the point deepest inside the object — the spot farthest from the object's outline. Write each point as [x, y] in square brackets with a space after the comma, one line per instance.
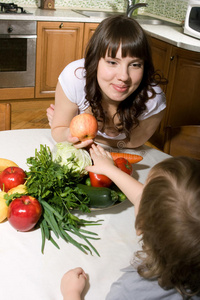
[61, 25]
[172, 58]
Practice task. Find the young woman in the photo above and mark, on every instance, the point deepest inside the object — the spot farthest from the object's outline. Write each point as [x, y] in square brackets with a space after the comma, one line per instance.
[167, 212]
[116, 82]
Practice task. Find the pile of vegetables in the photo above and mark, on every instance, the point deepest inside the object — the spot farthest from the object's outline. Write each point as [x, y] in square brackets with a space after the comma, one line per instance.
[54, 184]
[59, 181]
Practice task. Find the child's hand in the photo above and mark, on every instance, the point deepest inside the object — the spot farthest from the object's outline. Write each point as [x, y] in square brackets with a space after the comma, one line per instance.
[102, 160]
[73, 283]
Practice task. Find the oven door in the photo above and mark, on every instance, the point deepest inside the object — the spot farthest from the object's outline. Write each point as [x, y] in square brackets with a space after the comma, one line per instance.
[17, 60]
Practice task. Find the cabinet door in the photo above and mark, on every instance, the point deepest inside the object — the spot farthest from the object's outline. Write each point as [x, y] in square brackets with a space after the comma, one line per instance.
[88, 32]
[58, 44]
[183, 91]
[161, 53]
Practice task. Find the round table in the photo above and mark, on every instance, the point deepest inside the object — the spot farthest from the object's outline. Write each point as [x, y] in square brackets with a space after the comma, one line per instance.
[26, 273]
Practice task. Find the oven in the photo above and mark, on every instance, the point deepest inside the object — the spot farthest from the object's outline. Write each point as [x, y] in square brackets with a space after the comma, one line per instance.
[17, 53]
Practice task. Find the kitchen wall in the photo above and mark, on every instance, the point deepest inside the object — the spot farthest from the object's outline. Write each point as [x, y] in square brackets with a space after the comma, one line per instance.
[171, 9]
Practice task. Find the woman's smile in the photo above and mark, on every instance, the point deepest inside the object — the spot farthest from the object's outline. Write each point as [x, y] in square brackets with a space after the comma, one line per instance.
[120, 89]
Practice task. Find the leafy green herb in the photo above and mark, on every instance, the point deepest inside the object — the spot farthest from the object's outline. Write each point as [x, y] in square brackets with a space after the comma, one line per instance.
[9, 198]
[55, 187]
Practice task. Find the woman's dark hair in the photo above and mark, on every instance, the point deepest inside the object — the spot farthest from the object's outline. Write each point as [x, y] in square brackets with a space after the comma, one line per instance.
[169, 219]
[109, 35]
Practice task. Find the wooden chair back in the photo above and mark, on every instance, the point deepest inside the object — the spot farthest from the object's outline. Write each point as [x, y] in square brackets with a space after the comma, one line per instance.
[5, 116]
[183, 141]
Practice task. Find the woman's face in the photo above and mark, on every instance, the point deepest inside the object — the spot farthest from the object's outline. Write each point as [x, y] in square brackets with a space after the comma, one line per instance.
[119, 77]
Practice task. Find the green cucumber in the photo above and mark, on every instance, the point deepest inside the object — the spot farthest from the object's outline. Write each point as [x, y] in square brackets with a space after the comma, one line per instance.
[100, 197]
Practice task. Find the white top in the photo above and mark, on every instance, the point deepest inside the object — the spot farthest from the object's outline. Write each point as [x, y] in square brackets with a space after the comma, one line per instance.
[73, 84]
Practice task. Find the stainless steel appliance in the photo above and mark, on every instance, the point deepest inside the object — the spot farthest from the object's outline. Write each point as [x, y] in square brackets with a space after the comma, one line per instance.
[17, 51]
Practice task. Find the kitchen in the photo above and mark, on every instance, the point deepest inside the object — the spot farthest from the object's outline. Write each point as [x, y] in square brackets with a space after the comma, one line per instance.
[58, 21]
[25, 271]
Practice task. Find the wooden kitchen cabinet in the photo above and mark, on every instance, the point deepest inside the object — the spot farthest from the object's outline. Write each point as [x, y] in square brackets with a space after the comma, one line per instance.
[183, 92]
[182, 69]
[88, 32]
[161, 52]
[58, 44]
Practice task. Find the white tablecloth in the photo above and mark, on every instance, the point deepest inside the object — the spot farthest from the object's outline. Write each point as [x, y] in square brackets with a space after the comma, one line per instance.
[27, 274]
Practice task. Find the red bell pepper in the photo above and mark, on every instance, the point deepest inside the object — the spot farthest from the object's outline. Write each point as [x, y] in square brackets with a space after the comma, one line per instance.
[98, 180]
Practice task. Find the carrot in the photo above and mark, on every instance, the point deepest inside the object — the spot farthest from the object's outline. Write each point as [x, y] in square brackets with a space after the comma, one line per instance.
[132, 158]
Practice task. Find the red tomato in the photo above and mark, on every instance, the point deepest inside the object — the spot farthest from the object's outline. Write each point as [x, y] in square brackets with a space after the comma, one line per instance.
[98, 180]
[124, 165]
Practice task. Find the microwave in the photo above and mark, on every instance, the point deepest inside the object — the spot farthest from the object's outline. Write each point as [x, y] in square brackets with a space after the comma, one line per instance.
[192, 19]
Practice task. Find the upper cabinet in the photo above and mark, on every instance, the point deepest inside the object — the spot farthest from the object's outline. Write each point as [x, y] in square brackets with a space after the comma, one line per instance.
[58, 44]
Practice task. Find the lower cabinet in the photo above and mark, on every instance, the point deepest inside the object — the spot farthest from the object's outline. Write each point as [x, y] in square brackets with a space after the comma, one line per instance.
[89, 29]
[58, 44]
[182, 69]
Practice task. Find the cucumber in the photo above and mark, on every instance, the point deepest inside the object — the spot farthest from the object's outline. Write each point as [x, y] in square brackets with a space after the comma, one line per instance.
[100, 197]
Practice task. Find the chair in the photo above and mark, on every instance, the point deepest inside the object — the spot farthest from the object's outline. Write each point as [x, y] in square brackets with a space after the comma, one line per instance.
[183, 141]
[5, 116]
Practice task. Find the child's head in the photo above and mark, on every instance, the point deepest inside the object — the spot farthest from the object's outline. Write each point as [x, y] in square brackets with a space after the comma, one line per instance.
[169, 219]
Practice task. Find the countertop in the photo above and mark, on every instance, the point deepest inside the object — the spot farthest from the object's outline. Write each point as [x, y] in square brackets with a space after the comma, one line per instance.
[170, 34]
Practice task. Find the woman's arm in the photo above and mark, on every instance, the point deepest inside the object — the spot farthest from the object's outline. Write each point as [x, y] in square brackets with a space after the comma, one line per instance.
[143, 132]
[139, 135]
[103, 164]
[64, 111]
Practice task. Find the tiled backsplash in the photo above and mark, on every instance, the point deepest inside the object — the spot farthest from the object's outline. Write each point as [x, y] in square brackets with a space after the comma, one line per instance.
[172, 9]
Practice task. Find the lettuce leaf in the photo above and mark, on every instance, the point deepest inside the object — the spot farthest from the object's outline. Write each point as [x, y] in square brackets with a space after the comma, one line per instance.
[76, 159]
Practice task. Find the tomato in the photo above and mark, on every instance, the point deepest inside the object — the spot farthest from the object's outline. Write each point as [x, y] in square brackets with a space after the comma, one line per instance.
[98, 180]
[124, 165]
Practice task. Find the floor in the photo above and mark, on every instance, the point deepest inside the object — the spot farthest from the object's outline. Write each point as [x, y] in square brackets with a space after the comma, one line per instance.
[31, 114]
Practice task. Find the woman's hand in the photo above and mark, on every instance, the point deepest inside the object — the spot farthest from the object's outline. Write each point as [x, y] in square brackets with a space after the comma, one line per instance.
[74, 140]
[73, 283]
[50, 113]
[78, 144]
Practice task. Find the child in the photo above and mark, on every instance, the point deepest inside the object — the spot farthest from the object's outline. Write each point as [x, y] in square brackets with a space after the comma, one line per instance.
[167, 212]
